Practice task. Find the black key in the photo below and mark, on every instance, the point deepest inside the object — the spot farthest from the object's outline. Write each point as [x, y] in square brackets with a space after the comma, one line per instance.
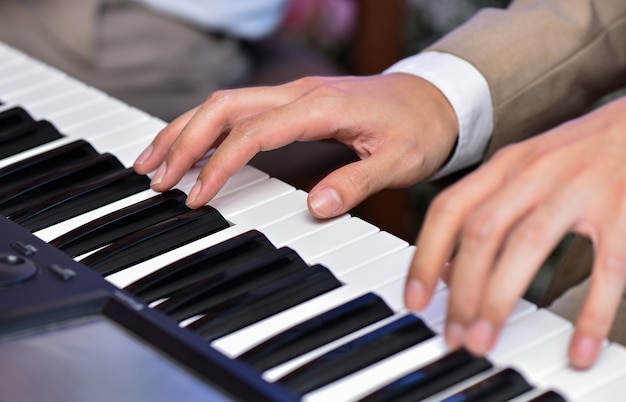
[264, 301]
[120, 223]
[432, 378]
[24, 138]
[549, 396]
[239, 280]
[317, 331]
[213, 262]
[156, 239]
[35, 191]
[42, 164]
[81, 198]
[14, 119]
[500, 387]
[368, 349]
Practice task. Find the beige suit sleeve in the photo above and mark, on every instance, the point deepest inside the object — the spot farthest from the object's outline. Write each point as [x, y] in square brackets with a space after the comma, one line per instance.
[545, 60]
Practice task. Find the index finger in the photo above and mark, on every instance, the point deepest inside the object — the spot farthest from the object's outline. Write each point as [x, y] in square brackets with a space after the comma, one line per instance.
[179, 145]
[303, 119]
[443, 224]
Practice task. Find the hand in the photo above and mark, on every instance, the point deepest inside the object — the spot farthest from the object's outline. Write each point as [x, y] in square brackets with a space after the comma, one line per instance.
[490, 232]
[400, 126]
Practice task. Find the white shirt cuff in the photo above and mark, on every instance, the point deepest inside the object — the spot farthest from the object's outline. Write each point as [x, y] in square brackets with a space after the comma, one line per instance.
[467, 91]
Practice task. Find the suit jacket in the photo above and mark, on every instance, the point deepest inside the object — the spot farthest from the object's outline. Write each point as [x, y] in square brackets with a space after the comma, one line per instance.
[545, 61]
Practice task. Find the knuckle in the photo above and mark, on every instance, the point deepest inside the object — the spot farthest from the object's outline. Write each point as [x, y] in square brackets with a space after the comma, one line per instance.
[615, 263]
[310, 81]
[531, 234]
[219, 97]
[446, 204]
[246, 131]
[244, 128]
[360, 180]
[327, 90]
[183, 149]
[479, 228]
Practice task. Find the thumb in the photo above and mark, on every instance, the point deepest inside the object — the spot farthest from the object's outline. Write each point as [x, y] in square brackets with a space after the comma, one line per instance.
[345, 188]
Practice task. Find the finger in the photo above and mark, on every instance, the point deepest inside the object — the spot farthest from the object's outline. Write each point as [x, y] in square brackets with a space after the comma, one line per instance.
[302, 119]
[211, 121]
[605, 293]
[485, 233]
[390, 166]
[526, 247]
[442, 226]
[150, 159]
[347, 187]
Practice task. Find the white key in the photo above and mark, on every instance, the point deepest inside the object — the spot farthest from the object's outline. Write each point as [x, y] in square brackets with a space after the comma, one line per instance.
[143, 133]
[297, 227]
[245, 177]
[546, 358]
[274, 211]
[70, 103]
[380, 271]
[23, 70]
[361, 252]
[9, 57]
[69, 121]
[574, 384]
[332, 238]
[393, 294]
[110, 127]
[28, 81]
[251, 196]
[613, 391]
[48, 92]
[15, 68]
[520, 309]
[521, 335]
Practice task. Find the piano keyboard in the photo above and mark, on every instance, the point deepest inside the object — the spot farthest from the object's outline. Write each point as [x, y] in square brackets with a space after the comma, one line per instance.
[313, 308]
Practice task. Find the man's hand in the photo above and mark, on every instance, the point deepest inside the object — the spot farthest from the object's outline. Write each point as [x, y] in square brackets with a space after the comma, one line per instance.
[400, 126]
[489, 233]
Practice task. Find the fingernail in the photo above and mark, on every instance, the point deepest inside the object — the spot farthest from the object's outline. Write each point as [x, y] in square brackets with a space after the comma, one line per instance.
[325, 202]
[584, 352]
[413, 292]
[455, 335]
[193, 193]
[480, 337]
[158, 176]
[144, 155]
